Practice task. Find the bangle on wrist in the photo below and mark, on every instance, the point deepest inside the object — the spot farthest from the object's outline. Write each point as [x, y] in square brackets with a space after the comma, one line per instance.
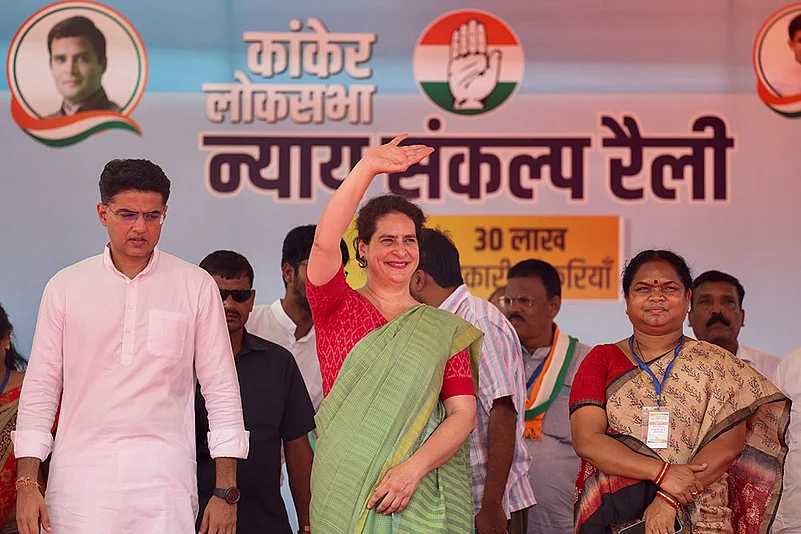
[662, 474]
[668, 499]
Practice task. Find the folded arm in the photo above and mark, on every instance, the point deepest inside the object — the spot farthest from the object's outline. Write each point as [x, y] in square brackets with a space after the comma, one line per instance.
[720, 454]
[591, 442]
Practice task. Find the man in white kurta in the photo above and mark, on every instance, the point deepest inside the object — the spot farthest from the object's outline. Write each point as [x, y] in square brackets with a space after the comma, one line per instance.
[788, 379]
[717, 315]
[121, 353]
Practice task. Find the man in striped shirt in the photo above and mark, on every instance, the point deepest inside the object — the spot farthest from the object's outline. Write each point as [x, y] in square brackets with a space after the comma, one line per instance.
[502, 493]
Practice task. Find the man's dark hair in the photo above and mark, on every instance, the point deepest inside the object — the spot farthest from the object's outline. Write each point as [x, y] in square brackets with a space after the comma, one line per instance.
[298, 244]
[795, 25]
[13, 359]
[542, 270]
[381, 206]
[439, 258]
[79, 27]
[228, 264]
[718, 276]
[132, 175]
[651, 256]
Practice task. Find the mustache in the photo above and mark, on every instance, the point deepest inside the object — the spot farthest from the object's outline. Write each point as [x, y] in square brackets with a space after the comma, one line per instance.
[233, 313]
[517, 316]
[718, 318]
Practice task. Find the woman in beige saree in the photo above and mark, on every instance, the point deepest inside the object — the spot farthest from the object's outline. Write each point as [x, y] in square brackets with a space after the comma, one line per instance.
[668, 427]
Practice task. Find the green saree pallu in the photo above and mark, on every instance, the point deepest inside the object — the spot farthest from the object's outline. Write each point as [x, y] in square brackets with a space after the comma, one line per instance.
[383, 406]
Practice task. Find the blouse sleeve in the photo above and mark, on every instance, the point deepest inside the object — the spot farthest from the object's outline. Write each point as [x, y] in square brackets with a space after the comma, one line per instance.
[325, 299]
[458, 377]
[589, 385]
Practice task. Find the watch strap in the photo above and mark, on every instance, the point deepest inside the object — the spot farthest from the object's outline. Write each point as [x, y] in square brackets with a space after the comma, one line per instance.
[225, 493]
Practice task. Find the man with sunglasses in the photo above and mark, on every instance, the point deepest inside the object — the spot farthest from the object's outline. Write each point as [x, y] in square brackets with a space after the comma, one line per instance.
[550, 358]
[276, 406]
[120, 340]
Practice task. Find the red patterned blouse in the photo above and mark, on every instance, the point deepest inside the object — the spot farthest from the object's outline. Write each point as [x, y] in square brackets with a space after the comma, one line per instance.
[342, 317]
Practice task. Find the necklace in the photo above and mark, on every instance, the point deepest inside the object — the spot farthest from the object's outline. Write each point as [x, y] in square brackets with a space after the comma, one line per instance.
[640, 351]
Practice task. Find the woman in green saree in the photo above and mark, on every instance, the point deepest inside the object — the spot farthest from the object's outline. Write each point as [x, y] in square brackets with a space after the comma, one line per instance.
[392, 453]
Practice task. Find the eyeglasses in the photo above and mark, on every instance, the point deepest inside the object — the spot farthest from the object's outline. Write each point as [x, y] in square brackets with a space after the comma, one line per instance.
[239, 295]
[130, 217]
[524, 301]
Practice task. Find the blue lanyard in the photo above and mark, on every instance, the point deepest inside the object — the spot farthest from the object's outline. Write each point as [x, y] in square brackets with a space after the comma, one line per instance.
[535, 374]
[657, 384]
[5, 380]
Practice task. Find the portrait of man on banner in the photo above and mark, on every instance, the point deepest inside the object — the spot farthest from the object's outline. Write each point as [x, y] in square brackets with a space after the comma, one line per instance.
[788, 81]
[78, 60]
[777, 60]
[75, 69]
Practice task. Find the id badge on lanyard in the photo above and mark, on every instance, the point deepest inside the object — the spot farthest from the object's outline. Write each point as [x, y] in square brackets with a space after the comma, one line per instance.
[656, 426]
[656, 419]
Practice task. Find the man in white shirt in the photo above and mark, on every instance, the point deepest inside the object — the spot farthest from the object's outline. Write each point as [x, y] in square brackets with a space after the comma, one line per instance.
[119, 341]
[788, 81]
[288, 321]
[717, 315]
[788, 379]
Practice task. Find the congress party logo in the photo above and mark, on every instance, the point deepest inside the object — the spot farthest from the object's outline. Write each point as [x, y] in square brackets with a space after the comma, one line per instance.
[74, 69]
[777, 61]
[468, 62]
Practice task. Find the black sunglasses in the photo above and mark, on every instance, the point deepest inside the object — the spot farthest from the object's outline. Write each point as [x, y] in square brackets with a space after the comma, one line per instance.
[240, 295]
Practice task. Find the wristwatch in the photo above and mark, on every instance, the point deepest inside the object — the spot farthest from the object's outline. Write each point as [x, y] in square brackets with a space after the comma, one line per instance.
[231, 495]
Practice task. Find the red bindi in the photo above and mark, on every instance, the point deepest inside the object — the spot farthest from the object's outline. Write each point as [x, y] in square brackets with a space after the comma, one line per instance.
[656, 282]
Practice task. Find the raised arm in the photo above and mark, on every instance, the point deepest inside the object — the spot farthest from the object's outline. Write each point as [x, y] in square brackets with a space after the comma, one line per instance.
[325, 258]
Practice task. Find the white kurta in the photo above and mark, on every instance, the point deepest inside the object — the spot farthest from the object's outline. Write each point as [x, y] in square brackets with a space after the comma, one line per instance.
[788, 379]
[764, 363]
[126, 353]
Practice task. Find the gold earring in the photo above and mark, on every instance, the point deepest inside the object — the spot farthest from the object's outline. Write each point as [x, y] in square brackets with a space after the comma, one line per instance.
[8, 345]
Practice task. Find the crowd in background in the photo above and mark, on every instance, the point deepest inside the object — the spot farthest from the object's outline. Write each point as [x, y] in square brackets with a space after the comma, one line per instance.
[407, 405]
